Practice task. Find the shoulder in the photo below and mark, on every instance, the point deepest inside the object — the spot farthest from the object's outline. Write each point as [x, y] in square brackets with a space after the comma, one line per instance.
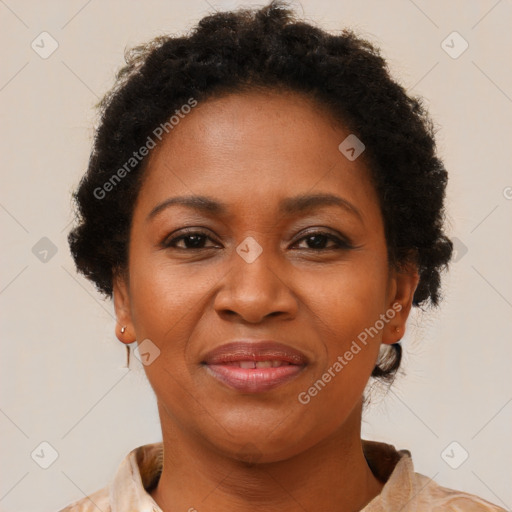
[408, 491]
[98, 500]
[450, 500]
[128, 490]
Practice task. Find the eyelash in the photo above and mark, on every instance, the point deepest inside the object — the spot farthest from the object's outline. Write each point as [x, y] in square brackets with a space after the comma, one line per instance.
[340, 244]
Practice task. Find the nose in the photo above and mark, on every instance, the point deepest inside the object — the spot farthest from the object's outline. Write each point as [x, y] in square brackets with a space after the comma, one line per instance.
[252, 291]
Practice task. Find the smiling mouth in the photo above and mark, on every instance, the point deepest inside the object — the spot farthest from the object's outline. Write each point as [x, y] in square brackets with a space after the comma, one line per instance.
[275, 363]
[254, 367]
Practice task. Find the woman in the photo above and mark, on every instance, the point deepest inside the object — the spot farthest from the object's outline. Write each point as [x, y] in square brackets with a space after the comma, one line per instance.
[265, 206]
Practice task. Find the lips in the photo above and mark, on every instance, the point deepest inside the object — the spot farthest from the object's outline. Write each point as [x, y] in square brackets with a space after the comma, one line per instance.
[254, 367]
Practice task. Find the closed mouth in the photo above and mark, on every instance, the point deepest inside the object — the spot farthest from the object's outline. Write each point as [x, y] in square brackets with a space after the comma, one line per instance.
[254, 367]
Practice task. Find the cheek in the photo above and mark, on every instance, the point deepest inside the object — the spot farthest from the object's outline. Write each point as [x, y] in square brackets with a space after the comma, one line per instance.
[165, 296]
[164, 303]
[168, 302]
[349, 299]
[346, 307]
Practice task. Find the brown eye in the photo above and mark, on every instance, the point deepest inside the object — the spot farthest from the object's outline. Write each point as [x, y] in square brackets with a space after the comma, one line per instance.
[319, 241]
[189, 241]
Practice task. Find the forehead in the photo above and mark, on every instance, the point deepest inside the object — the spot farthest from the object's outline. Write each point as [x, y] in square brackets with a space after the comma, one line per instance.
[254, 149]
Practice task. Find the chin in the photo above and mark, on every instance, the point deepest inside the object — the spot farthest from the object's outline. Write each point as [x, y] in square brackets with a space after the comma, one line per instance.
[262, 443]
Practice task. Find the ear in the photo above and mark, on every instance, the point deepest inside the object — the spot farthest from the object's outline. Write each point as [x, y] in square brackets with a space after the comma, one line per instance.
[403, 284]
[124, 327]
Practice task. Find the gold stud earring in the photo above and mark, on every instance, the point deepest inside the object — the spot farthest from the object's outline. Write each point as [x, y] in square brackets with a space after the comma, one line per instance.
[123, 329]
[397, 329]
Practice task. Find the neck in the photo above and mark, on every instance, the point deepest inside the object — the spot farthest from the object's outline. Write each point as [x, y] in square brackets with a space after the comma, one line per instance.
[332, 475]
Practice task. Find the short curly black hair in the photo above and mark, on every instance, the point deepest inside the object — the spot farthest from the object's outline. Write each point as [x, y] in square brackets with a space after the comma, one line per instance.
[267, 48]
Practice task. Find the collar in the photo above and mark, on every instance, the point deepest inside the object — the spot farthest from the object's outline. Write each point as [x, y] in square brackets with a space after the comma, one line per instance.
[140, 471]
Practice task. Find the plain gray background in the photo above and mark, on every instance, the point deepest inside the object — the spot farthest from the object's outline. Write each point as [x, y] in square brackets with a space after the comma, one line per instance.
[62, 379]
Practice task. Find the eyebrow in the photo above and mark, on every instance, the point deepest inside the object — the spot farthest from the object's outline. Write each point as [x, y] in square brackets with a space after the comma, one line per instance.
[288, 206]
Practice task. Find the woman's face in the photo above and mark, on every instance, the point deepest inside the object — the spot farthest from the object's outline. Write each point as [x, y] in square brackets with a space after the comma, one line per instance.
[287, 248]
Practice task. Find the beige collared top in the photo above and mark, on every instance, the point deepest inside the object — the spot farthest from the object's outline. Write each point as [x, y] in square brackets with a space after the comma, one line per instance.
[403, 491]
